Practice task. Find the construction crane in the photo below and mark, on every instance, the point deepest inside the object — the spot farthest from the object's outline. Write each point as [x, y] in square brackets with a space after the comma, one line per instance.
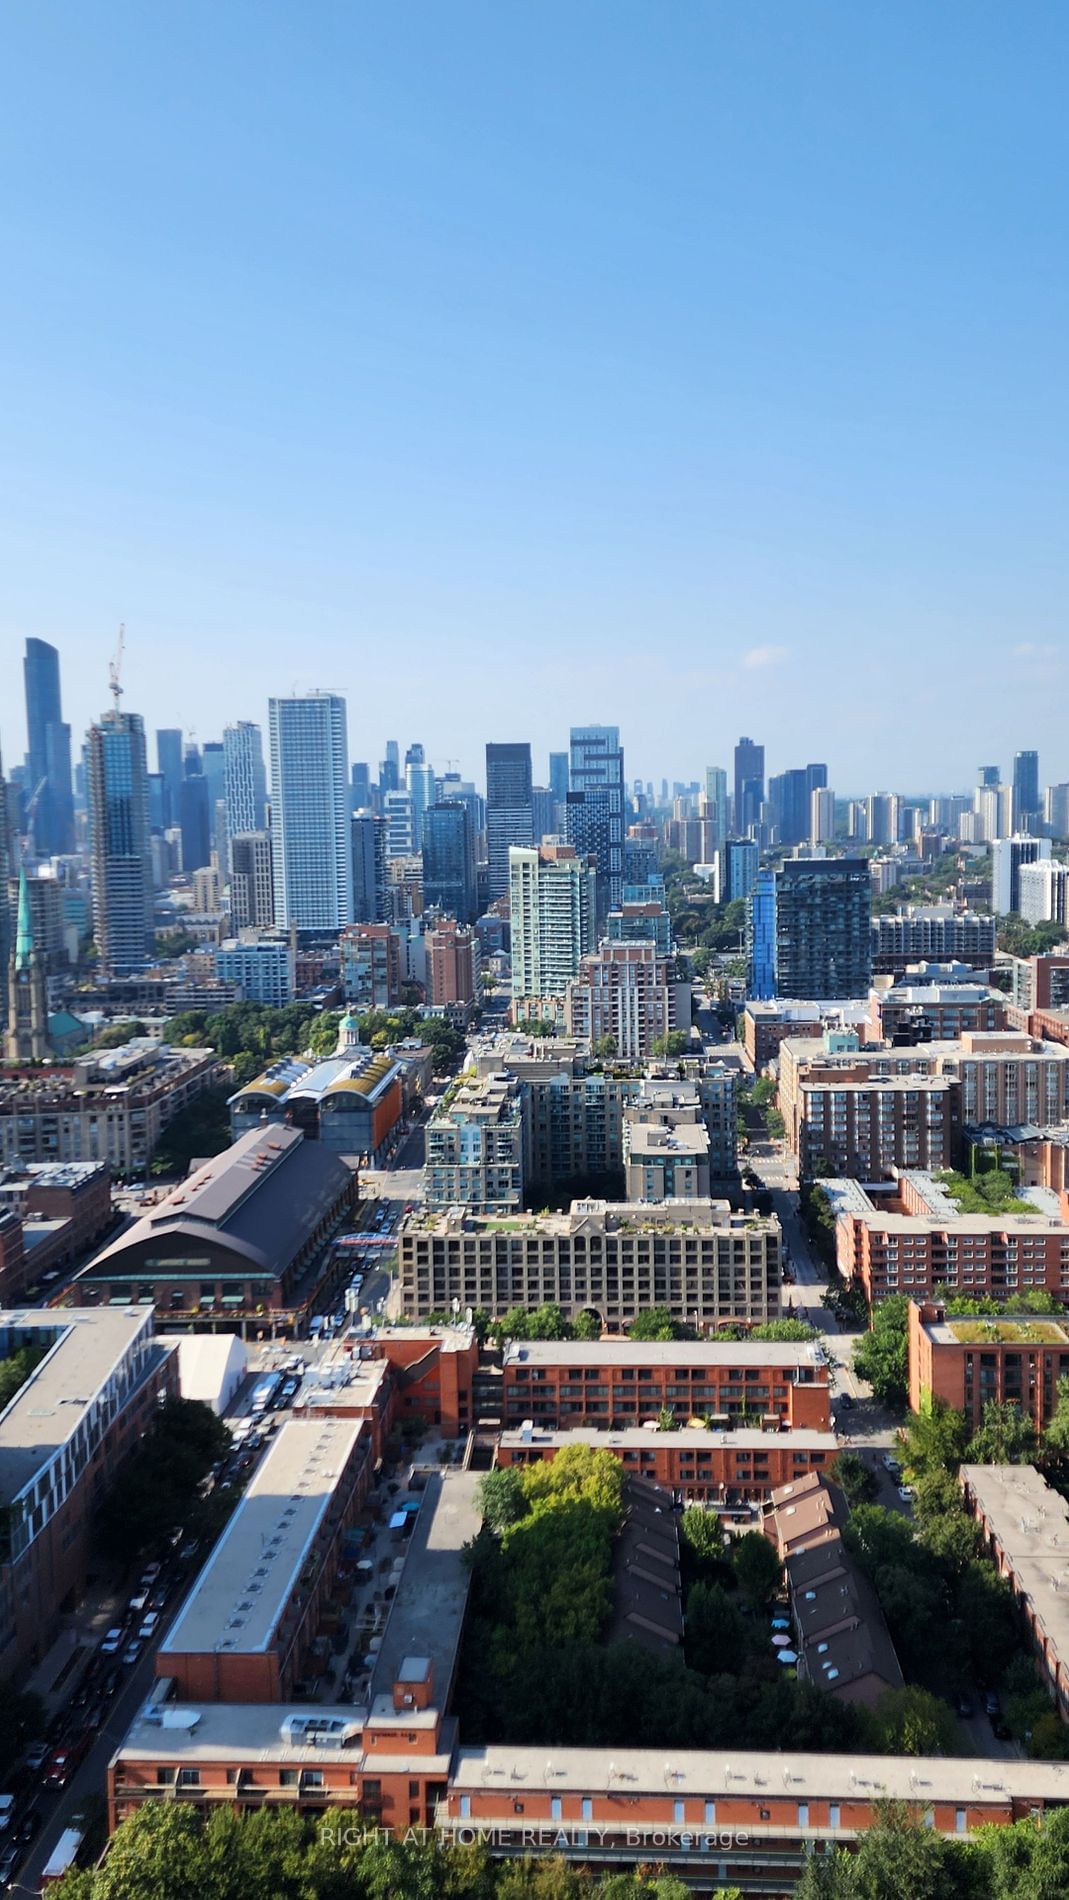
[115, 666]
[26, 839]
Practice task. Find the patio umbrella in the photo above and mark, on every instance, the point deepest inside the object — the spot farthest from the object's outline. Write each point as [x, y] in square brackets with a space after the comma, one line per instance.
[787, 1656]
[781, 1642]
[781, 1623]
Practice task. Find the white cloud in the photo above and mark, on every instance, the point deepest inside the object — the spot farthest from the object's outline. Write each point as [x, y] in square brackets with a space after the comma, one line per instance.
[1035, 650]
[764, 656]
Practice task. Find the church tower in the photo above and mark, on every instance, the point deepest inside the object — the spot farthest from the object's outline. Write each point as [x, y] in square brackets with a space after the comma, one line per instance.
[26, 1039]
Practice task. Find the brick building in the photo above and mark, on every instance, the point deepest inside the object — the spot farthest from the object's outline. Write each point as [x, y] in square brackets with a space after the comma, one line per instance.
[729, 1468]
[244, 1241]
[246, 1629]
[1024, 1524]
[913, 1238]
[703, 1262]
[618, 1383]
[967, 1362]
[453, 961]
[110, 1107]
[63, 1440]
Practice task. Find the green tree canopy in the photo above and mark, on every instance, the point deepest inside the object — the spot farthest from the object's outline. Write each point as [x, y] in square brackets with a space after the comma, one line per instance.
[881, 1355]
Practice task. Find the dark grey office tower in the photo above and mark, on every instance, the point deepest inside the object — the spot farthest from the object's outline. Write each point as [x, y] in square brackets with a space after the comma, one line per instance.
[252, 881]
[155, 802]
[543, 812]
[390, 768]
[194, 816]
[119, 841]
[361, 784]
[788, 796]
[1027, 803]
[988, 776]
[509, 819]
[596, 764]
[558, 776]
[749, 785]
[49, 755]
[588, 826]
[169, 766]
[449, 861]
[823, 928]
[369, 868]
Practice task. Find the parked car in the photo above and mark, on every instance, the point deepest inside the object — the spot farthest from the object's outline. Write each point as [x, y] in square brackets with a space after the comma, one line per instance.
[964, 1707]
[29, 1826]
[36, 1755]
[112, 1642]
[992, 1705]
[132, 1652]
[149, 1575]
[138, 1604]
[289, 1391]
[9, 1860]
[889, 1461]
[149, 1625]
[905, 1492]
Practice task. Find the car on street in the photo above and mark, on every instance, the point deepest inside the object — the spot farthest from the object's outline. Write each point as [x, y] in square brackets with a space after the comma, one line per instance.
[63, 1761]
[149, 1625]
[29, 1826]
[149, 1575]
[992, 1705]
[905, 1492]
[288, 1392]
[112, 1642]
[132, 1652]
[36, 1755]
[9, 1860]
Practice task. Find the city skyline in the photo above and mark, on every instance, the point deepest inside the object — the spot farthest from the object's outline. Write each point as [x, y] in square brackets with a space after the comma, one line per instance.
[501, 371]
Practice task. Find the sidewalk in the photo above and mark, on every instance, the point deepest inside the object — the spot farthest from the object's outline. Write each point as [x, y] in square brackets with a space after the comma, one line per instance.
[58, 1675]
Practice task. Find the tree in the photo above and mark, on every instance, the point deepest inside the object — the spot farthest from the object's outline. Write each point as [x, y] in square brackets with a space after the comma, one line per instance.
[909, 1721]
[1055, 1448]
[115, 1035]
[716, 1632]
[1006, 1436]
[899, 1856]
[855, 1478]
[934, 1438]
[604, 1047]
[587, 1325]
[657, 1323]
[200, 1129]
[786, 1332]
[757, 1568]
[501, 1497]
[702, 1532]
[881, 1356]
[675, 1043]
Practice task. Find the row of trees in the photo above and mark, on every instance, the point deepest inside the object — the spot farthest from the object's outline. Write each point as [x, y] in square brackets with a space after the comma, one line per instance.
[251, 1036]
[160, 1487]
[171, 1852]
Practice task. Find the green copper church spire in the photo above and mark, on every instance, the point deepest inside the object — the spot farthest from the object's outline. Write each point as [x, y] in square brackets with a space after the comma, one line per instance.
[23, 925]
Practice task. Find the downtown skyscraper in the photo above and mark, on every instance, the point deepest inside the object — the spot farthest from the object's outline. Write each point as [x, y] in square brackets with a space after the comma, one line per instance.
[596, 771]
[49, 754]
[310, 829]
[119, 842]
[244, 778]
[509, 811]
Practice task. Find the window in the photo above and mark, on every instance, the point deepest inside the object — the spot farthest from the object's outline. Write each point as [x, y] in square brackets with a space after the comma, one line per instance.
[287, 1777]
[710, 1814]
[959, 1820]
[465, 1807]
[679, 1811]
[189, 1777]
[556, 1808]
[588, 1809]
[833, 1815]
[803, 1814]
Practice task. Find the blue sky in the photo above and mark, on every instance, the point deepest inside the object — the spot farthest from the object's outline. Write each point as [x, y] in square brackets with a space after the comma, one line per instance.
[698, 366]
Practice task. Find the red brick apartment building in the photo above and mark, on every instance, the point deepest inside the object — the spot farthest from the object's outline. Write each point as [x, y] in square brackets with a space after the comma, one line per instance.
[222, 1724]
[1025, 1528]
[625, 1382]
[913, 1238]
[729, 1468]
[63, 1440]
[245, 1631]
[966, 1362]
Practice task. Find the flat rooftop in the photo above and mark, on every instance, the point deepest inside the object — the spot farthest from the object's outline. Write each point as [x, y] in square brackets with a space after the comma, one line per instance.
[85, 1347]
[249, 1578]
[678, 1352]
[688, 1438]
[427, 1614]
[634, 1772]
[1031, 1524]
[243, 1734]
[1022, 1331]
[654, 1139]
[700, 1216]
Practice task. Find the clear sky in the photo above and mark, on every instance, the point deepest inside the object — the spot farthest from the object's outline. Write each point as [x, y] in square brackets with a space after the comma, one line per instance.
[696, 365]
